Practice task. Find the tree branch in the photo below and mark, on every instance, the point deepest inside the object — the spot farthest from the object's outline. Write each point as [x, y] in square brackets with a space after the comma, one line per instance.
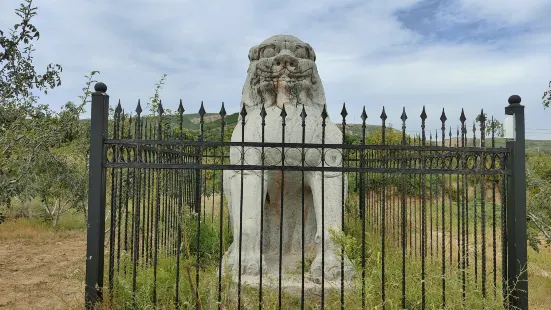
[540, 226]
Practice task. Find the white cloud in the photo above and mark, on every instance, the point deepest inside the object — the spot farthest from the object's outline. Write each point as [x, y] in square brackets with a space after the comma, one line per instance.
[511, 12]
[365, 55]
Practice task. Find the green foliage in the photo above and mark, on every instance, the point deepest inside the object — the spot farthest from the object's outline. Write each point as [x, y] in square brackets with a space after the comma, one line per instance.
[538, 191]
[44, 153]
[351, 240]
[492, 125]
[546, 98]
[18, 76]
[392, 137]
[208, 240]
[25, 126]
[155, 99]
[54, 182]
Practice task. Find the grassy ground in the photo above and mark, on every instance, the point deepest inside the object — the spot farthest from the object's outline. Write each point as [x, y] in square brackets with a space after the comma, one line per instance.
[43, 268]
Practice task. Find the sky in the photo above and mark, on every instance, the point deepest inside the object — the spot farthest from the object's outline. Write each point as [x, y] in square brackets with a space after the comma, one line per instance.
[449, 54]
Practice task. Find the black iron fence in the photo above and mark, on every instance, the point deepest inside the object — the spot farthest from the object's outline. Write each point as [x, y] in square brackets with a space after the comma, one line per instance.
[435, 220]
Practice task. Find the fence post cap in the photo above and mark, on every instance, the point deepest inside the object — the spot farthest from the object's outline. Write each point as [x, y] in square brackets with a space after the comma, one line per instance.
[100, 87]
[514, 99]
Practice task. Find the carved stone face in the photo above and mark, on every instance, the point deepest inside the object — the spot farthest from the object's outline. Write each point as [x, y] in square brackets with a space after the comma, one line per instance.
[282, 70]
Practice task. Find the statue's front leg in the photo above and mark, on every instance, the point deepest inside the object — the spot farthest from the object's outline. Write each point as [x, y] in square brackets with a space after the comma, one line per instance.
[331, 207]
[246, 196]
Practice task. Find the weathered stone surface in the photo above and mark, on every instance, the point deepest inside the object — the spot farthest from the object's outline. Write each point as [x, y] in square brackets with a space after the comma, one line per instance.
[282, 74]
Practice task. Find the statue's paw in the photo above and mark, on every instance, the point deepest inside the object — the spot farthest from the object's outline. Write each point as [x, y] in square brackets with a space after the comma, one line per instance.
[251, 266]
[332, 267]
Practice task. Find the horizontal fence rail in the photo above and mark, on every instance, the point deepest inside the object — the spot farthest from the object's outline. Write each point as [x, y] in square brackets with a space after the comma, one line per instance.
[293, 214]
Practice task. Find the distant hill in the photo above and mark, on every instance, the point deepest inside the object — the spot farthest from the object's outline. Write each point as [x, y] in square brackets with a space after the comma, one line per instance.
[543, 146]
[212, 122]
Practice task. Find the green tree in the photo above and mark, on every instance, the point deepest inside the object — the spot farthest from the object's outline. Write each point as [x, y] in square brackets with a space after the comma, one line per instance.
[492, 125]
[392, 136]
[60, 183]
[24, 124]
[57, 175]
[546, 98]
[538, 190]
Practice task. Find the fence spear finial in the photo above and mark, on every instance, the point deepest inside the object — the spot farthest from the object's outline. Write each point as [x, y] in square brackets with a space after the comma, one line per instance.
[161, 110]
[303, 115]
[404, 116]
[343, 112]
[202, 111]
[118, 109]
[324, 112]
[181, 108]
[383, 115]
[139, 108]
[222, 110]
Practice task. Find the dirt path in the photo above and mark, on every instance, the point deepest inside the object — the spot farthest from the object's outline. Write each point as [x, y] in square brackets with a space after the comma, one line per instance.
[40, 268]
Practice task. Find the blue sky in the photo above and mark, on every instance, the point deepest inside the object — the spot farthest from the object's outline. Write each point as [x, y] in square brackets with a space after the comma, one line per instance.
[448, 54]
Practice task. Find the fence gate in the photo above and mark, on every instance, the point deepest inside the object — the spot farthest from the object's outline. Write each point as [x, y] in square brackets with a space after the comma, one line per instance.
[186, 218]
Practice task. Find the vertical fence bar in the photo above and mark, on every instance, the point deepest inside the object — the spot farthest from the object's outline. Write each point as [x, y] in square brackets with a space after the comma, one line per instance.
[115, 189]
[147, 197]
[221, 223]
[198, 191]
[494, 181]
[415, 200]
[132, 189]
[443, 119]
[516, 208]
[157, 203]
[362, 203]
[122, 198]
[423, 178]
[136, 211]
[437, 196]
[343, 114]
[410, 193]
[96, 197]
[150, 183]
[475, 212]
[483, 200]
[303, 159]
[403, 207]
[464, 214]
[502, 188]
[281, 202]
[458, 204]
[324, 116]
[383, 212]
[180, 217]
[240, 245]
[451, 202]
[430, 197]
[143, 191]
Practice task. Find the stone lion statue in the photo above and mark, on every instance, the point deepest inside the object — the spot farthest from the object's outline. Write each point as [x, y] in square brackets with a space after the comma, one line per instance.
[282, 74]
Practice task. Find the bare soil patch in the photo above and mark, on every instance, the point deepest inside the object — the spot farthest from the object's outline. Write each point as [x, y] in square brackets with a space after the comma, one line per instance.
[41, 268]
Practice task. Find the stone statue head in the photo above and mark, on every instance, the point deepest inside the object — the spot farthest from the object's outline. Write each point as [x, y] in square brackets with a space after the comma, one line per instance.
[282, 70]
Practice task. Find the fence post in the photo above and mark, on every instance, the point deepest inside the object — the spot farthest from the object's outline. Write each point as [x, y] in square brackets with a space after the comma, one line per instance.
[516, 211]
[96, 197]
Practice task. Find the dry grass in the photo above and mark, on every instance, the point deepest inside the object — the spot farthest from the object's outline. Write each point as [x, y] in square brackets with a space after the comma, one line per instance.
[539, 278]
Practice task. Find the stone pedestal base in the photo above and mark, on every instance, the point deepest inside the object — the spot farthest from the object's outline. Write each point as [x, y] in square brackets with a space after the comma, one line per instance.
[291, 281]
